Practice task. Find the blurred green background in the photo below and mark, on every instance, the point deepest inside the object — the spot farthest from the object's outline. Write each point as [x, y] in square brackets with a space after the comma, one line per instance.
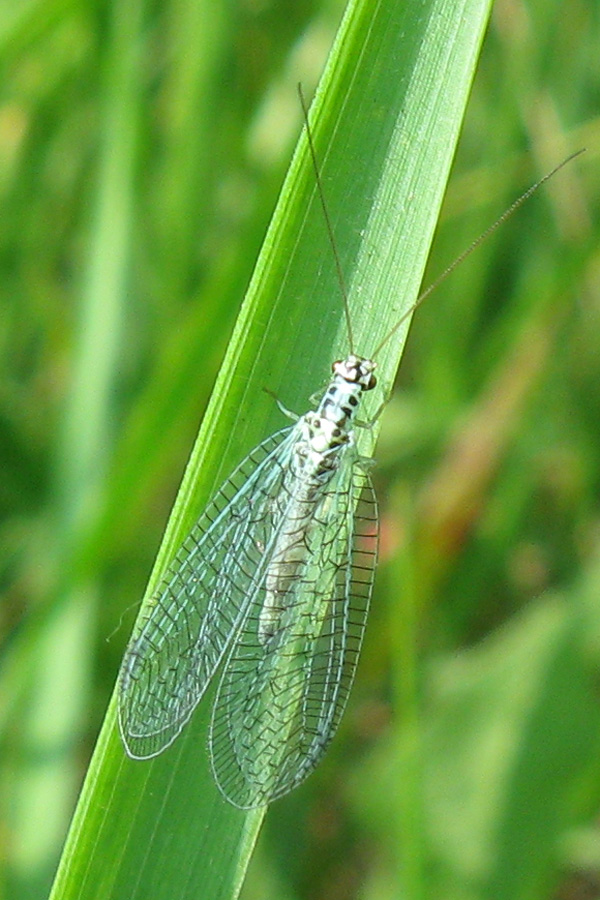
[137, 178]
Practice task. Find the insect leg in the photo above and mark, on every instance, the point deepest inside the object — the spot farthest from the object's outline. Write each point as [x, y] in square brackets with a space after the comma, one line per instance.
[287, 412]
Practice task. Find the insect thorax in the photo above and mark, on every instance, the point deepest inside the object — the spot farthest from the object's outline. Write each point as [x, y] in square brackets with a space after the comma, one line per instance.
[330, 425]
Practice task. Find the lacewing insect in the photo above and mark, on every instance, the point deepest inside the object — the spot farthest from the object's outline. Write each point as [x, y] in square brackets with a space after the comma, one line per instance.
[272, 586]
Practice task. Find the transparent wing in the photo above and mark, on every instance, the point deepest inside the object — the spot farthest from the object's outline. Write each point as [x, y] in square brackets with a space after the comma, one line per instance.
[179, 641]
[281, 697]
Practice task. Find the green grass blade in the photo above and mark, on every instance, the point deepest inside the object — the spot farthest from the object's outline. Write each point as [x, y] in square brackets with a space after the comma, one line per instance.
[386, 121]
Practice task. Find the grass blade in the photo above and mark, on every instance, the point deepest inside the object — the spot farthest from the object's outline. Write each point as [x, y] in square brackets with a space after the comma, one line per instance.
[386, 120]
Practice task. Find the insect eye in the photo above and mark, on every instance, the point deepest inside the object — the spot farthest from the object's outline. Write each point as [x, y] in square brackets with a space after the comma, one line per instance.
[371, 383]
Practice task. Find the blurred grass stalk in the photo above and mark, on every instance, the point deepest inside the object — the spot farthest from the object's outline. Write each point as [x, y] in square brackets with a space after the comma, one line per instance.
[60, 662]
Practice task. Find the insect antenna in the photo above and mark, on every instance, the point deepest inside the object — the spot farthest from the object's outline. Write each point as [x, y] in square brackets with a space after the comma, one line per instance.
[328, 224]
[473, 246]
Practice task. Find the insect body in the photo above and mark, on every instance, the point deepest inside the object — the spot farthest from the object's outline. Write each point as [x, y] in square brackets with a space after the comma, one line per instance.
[274, 583]
[276, 579]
